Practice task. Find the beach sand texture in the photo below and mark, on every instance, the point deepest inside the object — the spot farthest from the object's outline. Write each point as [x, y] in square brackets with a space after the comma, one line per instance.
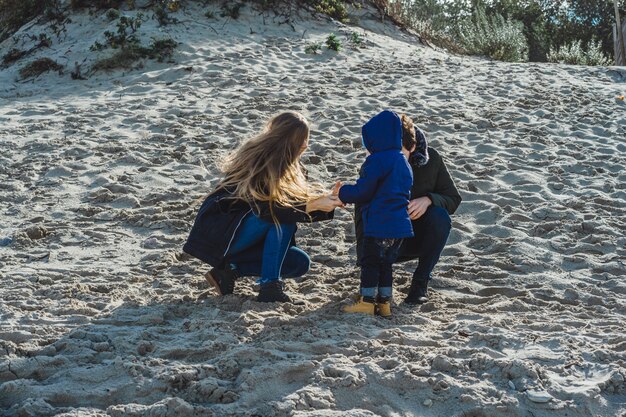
[101, 313]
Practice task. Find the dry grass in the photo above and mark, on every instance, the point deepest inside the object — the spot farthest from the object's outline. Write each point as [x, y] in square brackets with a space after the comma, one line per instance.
[38, 67]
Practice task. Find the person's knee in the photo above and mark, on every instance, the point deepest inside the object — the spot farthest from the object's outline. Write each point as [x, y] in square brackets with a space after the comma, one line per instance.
[305, 264]
[440, 221]
[300, 261]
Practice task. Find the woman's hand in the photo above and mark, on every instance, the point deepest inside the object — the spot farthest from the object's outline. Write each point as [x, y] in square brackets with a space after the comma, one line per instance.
[418, 207]
[336, 188]
[324, 203]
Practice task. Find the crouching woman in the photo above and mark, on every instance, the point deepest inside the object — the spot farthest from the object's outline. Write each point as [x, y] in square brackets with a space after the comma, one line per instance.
[246, 226]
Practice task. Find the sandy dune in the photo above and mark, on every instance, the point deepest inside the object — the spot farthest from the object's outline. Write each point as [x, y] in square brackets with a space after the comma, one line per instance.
[102, 315]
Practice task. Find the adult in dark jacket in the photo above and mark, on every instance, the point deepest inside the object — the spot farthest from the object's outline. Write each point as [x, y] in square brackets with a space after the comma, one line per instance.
[434, 197]
[246, 227]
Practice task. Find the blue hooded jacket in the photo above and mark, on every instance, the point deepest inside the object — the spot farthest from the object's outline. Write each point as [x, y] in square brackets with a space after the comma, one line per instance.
[383, 189]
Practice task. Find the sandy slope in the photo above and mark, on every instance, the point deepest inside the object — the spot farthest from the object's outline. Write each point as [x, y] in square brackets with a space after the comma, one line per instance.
[101, 314]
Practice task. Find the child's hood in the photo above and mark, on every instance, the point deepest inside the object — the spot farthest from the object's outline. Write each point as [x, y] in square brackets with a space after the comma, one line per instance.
[383, 132]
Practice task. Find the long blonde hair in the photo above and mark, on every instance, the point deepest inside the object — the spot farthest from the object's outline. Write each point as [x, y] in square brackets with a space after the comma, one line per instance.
[267, 167]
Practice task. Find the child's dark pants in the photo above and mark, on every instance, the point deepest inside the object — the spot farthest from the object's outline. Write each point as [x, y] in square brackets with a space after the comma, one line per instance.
[377, 259]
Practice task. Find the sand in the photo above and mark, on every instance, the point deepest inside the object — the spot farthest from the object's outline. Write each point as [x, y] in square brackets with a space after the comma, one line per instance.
[101, 314]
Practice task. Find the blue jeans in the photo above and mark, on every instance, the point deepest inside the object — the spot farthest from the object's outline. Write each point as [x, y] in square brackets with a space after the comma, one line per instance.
[376, 265]
[261, 248]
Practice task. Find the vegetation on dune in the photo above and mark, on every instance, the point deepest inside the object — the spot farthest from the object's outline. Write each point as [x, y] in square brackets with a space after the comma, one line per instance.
[504, 29]
[128, 47]
[571, 31]
[160, 49]
[574, 53]
[38, 67]
[15, 13]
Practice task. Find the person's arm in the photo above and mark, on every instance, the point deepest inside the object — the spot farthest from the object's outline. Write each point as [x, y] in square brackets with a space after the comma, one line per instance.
[445, 193]
[365, 187]
[319, 209]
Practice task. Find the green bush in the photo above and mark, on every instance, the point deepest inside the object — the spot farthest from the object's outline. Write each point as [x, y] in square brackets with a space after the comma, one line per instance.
[332, 42]
[493, 36]
[431, 19]
[124, 36]
[356, 40]
[313, 48]
[333, 8]
[574, 54]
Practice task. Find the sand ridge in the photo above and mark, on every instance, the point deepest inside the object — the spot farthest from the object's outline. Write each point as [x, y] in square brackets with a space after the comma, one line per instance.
[102, 314]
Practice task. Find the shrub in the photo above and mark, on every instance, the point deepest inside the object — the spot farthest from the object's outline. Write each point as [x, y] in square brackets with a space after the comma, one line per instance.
[12, 56]
[43, 41]
[426, 17]
[313, 48]
[113, 14]
[162, 10]
[38, 67]
[574, 54]
[162, 49]
[355, 39]
[333, 8]
[496, 37]
[233, 11]
[98, 4]
[332, 42]
[124, 58]
[15, 13]
[125, 35]
[159, 49]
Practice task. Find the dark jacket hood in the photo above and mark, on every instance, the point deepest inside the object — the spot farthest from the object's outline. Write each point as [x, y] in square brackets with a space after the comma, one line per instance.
[383, 132]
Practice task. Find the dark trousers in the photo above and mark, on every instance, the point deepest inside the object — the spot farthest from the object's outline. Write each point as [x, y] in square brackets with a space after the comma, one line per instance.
[377, 259]
[431, 233]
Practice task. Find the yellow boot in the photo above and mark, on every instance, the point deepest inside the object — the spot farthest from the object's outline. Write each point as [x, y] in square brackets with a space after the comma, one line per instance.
[383, 306]
[365, 305]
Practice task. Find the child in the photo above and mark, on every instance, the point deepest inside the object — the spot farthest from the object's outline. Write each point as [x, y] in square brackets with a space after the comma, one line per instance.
[383, 192]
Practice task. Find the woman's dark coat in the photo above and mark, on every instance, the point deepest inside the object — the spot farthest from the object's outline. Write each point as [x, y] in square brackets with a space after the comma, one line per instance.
[220, 215]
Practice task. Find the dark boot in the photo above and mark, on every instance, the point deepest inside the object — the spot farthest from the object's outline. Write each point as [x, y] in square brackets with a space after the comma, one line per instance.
[223, 280]
[273, 291]
[418, 292]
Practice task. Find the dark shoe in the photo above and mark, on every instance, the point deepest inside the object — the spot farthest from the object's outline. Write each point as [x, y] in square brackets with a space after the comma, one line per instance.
[223, 280]
[418, 293]
[273, 292]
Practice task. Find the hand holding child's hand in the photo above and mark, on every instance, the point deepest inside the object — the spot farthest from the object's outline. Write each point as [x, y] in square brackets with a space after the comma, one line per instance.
[418, 207]
[335, 192]
[337, 187]
[324, 203]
